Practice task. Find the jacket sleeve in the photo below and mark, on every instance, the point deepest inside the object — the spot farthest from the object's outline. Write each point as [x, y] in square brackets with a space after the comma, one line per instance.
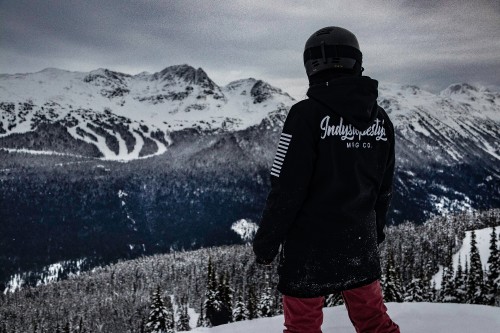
[386, 188]
[290, 177]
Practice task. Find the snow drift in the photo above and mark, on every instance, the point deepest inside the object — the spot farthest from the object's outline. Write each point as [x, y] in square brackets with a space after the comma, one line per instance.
[411, 318]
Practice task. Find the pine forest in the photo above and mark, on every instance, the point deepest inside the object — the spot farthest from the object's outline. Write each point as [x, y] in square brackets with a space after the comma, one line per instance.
[177, 291]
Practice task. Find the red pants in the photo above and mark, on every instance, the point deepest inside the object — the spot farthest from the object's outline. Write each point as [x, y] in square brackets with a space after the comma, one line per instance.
[364, 305]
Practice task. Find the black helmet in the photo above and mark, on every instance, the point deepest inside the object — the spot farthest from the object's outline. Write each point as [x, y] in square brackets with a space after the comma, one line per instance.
[332, 48]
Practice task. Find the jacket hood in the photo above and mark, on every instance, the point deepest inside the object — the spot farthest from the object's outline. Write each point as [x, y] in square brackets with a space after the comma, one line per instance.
[354, 98]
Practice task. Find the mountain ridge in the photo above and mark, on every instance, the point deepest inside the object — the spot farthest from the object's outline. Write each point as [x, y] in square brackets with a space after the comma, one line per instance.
[235, 106]
[174, 98]
[194, 167]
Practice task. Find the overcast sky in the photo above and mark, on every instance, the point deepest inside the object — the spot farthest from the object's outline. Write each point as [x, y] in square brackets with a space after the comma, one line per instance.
[427, 43]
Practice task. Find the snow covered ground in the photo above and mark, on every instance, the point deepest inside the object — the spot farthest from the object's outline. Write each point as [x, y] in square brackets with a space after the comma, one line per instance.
[52, 273]
[483, 244]
[411, 318]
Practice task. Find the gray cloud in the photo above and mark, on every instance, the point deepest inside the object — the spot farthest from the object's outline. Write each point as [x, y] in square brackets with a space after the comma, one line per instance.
[428, 43]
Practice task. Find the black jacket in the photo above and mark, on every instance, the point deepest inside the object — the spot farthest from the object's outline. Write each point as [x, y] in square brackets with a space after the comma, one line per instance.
[331, 185]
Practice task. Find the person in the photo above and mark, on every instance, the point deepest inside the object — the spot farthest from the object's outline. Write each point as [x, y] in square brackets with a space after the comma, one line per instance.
[331, 186]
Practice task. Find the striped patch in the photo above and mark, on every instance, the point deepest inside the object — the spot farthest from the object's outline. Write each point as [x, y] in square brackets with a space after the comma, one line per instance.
[280, 154]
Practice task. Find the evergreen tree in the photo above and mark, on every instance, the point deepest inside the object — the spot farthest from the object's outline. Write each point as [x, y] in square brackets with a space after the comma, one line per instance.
[433, 292]
[225, 296]
[448, 292]
[201, 318]
[265, 305]
[218, 296]
[183, 321]
[428, 271]
[475, 280]
[427, 291]
[493, 280]
[278, 302]
[80, 325]
[393, 291]
[251, 303]
[497, 297]
[240, 311]
[414, 292]
[160, 319]
[170, 316]
[443, 283]
[494, 258]
[211, 306]
[426, 282]
[460, 284]
[142, 326]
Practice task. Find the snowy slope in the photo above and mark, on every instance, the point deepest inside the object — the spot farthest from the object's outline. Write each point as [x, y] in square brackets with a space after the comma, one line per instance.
[411, 318]
[438, 124]
[174, 98]
[118, 112]
[483, 244]
[447, 147]
[130, 116]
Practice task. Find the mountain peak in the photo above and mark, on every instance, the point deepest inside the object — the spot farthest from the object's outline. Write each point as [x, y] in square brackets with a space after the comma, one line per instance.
[186, 73]
[233, 85]
[467, 93]
[52, 70]
[177, 69]
[259, 90]
[412, 89]
[169, 73]
[262, 91]
[99, 71]
[106, 76]
[460, 88]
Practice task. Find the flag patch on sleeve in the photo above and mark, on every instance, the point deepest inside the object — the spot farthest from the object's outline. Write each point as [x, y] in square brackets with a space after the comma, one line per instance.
[279, 158]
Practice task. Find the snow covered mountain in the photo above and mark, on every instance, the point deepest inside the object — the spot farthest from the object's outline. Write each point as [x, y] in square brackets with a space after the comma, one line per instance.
[460, 123]
[483, 237]
[447, 145]
[120, 116]
[209, 152]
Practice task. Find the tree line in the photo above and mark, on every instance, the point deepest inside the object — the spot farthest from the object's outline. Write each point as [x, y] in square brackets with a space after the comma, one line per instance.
[211, 286]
